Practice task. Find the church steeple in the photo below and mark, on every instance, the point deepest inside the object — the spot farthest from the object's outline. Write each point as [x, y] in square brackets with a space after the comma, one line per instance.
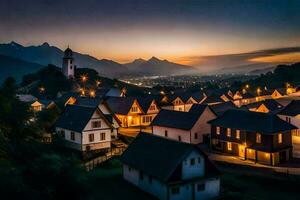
[68, 66]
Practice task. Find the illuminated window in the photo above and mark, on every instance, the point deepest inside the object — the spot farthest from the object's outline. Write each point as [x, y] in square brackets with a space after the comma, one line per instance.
[228, 132]
[238, 134]
[218, 130]
[258, 138]
[280, 138]
[229, 146]
[152, 107]
[134, 109]
[91, 137]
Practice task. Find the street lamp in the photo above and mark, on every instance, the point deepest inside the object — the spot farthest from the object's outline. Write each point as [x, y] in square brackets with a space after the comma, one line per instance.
[92, 93]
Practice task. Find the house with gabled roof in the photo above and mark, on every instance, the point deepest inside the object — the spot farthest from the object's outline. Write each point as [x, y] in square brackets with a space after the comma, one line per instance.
[170, 170]
[189, 127]
[84, 128]
[291, 114]
[128, 110]
[150, 109]
[261, 137]
[220, 108]
[266, 106]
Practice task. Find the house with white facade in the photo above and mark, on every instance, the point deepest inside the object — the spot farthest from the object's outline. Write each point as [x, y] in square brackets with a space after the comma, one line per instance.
[188, 127]
[84, 128]
[170, 170]
[291, 114]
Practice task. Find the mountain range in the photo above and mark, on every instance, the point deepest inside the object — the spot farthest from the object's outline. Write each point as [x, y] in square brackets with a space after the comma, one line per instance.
[31, 57]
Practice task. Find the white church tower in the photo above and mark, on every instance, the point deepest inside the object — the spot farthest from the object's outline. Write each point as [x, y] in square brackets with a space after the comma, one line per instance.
[68, 66]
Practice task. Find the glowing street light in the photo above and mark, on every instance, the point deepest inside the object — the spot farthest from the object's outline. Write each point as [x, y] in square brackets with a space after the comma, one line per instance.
[247, 86]
[258, 91]
[84, 78]
[92, 93]
[42, 89]
[98, 82]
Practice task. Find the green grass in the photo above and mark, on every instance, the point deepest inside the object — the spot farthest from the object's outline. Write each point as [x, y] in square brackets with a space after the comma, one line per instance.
[106, 182]
[243, 182]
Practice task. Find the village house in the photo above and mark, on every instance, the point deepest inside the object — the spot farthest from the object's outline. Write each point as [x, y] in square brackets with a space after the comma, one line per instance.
[170, 170]
[101, 104]
[266, 106]
[291, 114]
[150, 109]
[127, 110]
[212, 99]
[261, 137]
[84, 128]
[189, 127]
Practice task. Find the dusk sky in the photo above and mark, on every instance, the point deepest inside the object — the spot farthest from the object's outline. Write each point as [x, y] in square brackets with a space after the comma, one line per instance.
[179, 30]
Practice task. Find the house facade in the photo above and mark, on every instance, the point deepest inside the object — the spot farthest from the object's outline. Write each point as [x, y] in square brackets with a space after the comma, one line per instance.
[182, 173]
[263, 138]
[84, 128]
[291, 114]
[188, 127]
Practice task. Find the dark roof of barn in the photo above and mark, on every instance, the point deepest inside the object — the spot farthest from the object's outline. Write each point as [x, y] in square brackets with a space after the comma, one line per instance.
[160, 157]
[120, 105]
[176, 119]
[252, 121]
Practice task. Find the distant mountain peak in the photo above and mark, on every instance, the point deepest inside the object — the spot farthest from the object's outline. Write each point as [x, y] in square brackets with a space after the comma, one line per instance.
[45, 44]
[15, 44]
[139, 60]
[153, 58]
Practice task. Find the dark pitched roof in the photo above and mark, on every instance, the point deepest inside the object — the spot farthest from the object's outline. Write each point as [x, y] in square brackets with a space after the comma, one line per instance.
[145, 102]
[160, 157]
[46, 103]
[292, 109]
[110, 92]
[212, 99]
[282, 91]
[220, 108]
[176, 119]
[120, 105]
[75, 117]
[87, 101]
[197, 108]
[252, 121]
[248, 95]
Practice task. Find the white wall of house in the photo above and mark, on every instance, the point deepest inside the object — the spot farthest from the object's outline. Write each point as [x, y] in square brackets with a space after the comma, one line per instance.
[201, 127]
[173, 133]
[156, 188]
[212, 189]
[190, 170]
[67, 133]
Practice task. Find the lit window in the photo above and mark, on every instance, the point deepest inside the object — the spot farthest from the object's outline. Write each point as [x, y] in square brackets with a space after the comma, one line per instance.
[229, 146]
[134, 109]
[91, 137]
[280, 138]
[218, 130]
[228, 132]
[238, 134]
[258, 138]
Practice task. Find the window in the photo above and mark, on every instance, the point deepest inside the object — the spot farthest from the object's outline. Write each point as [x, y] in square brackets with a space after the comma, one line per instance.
[147, 119]
[201, 187]
[196, 135]
[150, 179]
[62, 133]
[179, 138]
[166, 133]
[96, 124]
[229, 146]
[192, 161]
[141, 176]
[102, 136]
[72, 136]
[288, 119]
[71, 67]
[280, 138]
[258, 138]
[134, 109]
[91, 137]
[238, 134]
[218, 131]
[228, 133]
[152, 107]
[199, 160]
[175, 190]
